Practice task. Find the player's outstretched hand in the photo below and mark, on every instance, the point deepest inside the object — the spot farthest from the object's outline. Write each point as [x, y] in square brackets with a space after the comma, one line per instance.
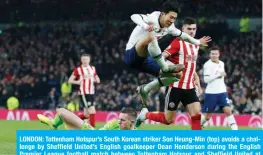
[204, 40]
[149, 28]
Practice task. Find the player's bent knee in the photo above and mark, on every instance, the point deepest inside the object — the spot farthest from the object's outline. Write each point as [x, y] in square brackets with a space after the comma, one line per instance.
[60, 111]
[144, 42]
[149, 38]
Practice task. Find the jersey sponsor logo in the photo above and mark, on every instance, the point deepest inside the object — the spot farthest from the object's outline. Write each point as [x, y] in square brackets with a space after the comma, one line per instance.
[18, 115]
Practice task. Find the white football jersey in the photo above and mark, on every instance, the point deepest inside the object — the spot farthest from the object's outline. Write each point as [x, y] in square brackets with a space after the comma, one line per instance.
[139, 32]
[213, 70]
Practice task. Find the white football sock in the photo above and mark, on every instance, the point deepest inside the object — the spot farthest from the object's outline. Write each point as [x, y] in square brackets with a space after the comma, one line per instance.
[156, 84]
[156, 53]
[203, 119]
[232, 122]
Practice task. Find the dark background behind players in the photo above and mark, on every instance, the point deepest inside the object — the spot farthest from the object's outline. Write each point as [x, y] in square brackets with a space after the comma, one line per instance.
[40, 45]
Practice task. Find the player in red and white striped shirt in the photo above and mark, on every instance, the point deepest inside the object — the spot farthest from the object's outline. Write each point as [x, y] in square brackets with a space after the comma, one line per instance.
[86, 76]
[182, 52]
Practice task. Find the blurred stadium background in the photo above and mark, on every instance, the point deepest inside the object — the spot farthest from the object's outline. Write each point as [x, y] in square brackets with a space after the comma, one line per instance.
[41, 41]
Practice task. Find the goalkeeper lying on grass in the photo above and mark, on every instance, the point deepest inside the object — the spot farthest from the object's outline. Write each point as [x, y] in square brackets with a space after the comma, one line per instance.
[126, 121]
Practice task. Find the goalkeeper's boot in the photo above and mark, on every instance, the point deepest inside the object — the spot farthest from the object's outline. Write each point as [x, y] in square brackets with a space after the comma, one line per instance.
[45, 120]
[143, 95]
[141, 117]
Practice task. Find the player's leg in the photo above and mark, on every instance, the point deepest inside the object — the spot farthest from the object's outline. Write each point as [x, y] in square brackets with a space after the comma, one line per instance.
[84, 104]
[205, 117]
[194, 110]
[92, 111]
[172, 100]
[163, 80]
[227, 110]
[89, 110]
[142, 45]
[210, 102]
[92, 115]
[135, 56]
[63, 116]
[70, 119]
[150, 44]
[49, 121]
[192, 103]
[171, 103]
[150, 66]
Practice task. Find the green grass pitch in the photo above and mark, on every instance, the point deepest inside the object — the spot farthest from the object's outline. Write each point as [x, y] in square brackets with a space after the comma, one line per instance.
[8, 131]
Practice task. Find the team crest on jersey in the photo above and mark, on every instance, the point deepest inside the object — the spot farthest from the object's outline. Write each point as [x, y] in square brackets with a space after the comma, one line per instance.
[171, 105]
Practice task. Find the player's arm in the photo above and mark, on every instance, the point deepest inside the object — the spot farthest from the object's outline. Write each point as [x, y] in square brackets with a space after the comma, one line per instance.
[166, 54]
[143, 21]
[197, 83]
[172, 49]
[186, 37]
[73, 77]
[209, 76]
[224, 72]
[97, 78]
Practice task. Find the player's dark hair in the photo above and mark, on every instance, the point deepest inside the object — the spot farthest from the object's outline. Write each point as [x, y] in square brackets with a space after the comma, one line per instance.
[85, 54]
[130, 111]
[215, 48]
[169, 6]
[189, 21]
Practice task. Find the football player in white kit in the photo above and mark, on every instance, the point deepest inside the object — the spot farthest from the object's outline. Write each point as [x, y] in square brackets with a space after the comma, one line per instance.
[215, 92]
[144, 41]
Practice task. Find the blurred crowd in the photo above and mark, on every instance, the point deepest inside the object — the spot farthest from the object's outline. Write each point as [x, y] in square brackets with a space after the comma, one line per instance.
[38, 10]
[37, 59]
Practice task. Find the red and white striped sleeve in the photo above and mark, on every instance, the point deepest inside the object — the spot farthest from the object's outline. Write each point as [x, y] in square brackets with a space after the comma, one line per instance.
[173, 48]
[75, 72]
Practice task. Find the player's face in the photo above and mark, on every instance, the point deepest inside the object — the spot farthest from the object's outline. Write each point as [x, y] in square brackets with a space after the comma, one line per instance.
[169, 18]
[214, 55]
[190, 29]
[125, 122]
[85, 60]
